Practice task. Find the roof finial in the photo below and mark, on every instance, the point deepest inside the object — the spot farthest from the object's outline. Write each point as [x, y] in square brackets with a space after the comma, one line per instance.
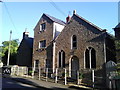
[74, 11]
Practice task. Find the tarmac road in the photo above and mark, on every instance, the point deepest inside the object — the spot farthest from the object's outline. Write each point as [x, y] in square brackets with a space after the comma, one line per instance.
[9, 84]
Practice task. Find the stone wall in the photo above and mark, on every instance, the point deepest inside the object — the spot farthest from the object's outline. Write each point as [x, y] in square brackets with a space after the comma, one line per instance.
[87, 36]
[42, 54]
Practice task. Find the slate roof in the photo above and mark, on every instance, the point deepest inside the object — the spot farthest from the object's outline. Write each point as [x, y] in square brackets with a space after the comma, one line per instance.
[89, 22]
[55, 19]
[29, 41]
[118, 26]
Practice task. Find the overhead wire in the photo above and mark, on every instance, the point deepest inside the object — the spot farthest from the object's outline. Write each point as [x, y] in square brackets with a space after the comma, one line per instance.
[56, 7]
[9, 16]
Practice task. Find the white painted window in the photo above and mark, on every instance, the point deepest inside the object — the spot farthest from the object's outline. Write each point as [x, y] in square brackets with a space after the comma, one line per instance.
[61, 58]
[74, 42]
[42, 44]
[42, 27]
[90, 58]
[36, 65]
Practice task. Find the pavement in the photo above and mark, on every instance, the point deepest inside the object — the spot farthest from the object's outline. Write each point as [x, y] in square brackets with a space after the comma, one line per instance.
[47, 85]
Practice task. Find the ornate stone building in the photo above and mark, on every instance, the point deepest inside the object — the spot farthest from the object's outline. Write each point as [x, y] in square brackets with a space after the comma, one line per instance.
[82, 45]
[76, 45]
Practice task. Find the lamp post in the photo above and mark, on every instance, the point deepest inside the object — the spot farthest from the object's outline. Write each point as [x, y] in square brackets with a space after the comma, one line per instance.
[8, 59]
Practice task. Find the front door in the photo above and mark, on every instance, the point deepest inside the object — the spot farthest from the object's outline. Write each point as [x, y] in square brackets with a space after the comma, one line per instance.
[74, 67]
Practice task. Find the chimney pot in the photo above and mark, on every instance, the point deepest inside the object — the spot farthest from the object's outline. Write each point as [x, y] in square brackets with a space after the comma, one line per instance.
[68, 19]
[25, 34]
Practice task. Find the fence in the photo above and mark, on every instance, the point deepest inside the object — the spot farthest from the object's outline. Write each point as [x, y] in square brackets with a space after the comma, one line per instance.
[62, 75]
[19, 70]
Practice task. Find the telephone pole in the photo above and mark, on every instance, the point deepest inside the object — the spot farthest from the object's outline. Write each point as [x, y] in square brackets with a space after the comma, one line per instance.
[8, 59]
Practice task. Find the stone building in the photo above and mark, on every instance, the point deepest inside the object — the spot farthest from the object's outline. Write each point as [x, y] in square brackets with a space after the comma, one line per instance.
[25, 49]
[82, 45]
[76, 45]
[45, 32]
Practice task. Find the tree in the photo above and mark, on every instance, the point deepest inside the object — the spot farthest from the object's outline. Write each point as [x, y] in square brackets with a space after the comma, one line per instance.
[13, 51]
[117, 43]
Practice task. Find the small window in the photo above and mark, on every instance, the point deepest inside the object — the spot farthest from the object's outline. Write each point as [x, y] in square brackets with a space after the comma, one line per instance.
[42, 27]
[74, 42]
[42, 44]
[37, 63]
[61, 59]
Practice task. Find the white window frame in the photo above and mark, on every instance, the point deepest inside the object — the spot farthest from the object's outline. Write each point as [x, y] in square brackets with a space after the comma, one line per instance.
[73, 42]
[41, 27]
[40, 44]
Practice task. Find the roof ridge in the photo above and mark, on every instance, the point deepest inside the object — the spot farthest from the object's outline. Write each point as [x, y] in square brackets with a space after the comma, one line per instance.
[55, 19]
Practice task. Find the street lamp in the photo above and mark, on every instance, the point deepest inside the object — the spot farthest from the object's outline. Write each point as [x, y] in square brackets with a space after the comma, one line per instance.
[8, 59]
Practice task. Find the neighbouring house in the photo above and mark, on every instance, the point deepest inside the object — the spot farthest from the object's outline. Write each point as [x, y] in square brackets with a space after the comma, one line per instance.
[25, 49]
[45, 32]
[117, 36]
[75, 45]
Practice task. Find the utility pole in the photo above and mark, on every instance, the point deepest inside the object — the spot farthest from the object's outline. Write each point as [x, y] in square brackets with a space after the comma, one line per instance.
[8, 59]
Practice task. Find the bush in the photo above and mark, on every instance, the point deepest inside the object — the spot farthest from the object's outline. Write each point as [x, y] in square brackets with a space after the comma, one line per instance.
[80, 75]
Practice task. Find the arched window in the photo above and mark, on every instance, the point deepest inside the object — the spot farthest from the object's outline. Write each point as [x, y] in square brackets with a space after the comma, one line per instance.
[74, 42]
[93, 58]
[61, 62]
[90, 58]
[87, 61]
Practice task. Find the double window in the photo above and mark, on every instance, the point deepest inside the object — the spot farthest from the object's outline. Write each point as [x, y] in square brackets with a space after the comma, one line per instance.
[42, 44]
[90, 58]
[42, 27]
[61, 58]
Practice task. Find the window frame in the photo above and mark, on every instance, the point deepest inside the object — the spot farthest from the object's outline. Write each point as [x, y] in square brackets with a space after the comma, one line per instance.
[73, 42]
[42, 44]
[42, 27]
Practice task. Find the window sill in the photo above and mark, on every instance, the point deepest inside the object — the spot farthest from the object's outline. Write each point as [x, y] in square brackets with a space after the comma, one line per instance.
[73, 49]
[42, 31]
[40, 49]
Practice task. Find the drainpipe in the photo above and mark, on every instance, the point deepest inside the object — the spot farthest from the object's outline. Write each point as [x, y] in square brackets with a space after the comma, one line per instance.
[105, 48]
[54, 43]
[104, 68]
[90, 56]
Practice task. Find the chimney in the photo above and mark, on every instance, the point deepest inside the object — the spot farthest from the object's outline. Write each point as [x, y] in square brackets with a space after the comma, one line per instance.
[74, 11]
[68, 19]
[25, 34]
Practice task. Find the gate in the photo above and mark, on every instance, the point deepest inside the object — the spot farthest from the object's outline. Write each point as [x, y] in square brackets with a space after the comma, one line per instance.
[110, 73]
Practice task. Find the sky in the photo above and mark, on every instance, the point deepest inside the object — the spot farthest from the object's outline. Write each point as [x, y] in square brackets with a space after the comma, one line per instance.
[17, 16]
[119, 11]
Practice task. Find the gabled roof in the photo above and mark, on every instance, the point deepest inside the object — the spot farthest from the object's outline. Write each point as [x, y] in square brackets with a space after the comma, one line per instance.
[118, 26]
[55, 19]
[88, 22]
[29, 42]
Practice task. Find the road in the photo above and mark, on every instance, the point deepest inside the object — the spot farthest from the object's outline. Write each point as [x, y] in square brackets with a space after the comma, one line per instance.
[17, 83]
[8, 83]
